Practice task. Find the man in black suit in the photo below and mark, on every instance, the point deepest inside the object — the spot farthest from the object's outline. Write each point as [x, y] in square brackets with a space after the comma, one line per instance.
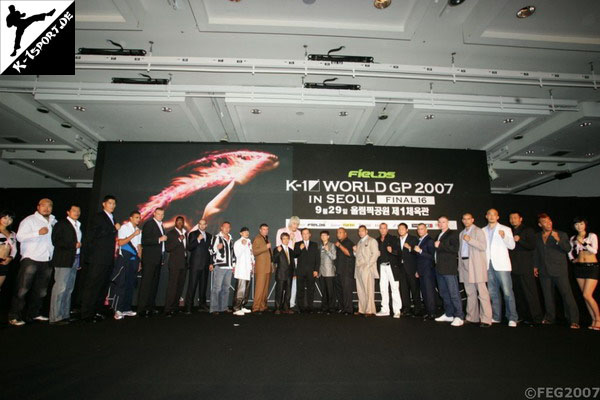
[66, 238]
[424, 251]
[446, 270]
[176, 247]
[550, 264]
[153, 256]
[407, 263]
[282, 257]
[198, 244]
[307, 269]
[521, 258]
[344, 272]
[100, 251]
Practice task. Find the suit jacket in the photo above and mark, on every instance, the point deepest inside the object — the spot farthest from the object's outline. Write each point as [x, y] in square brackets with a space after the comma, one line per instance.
[64, 239]
[499, 247]
[199, 254]
[367, 253]
[407, 257]
[262, 255]
[425, 257]
[284, 269]
[446, 255]
[521, 257]
[551, 257]
[151, 248]
[385, 256]
[344, 265]
[176, 249]
[100, 240]
[309, 259]
[474, 269]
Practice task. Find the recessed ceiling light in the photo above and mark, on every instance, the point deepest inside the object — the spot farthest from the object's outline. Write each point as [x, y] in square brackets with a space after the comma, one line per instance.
[383, 117]
[381, 4]
[453, 3]
[508, 121]
[429, 116]
[71, 151]
[41, 151]
[343, 113]
[79, 108]
[529, 152]
[513, 161]
[66, 125]
[43, 110]
[541, 172]
[299, 113]
[590, 154]
[526, 12]
[518, 137]
[535, 163]
[49, 140]
[166, 109]
[561, 164]
[255, 111]
[33, 161]
[585, 124]
[309, 1]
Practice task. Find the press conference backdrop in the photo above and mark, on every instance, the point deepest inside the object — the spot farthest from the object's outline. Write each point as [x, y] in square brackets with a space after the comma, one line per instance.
[327, 186]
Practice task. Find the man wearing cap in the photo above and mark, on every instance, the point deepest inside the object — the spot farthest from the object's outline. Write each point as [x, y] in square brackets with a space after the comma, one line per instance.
[242, 271]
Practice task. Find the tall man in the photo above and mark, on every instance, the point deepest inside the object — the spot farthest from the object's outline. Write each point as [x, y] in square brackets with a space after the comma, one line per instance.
[550, 264]
[66, 238]
[153, 245]
[367, 253]
[176, 246]
[198, 245]
[327, 273]
[307, 270]
[223, 255]
[127, 265]
[389, 273]
[499, 240]
[262, 271]
[295, 237]
[407, 263]
[244, 266]
[446, 269]
[34, 234]
[424, 251]
[344, 272]
[472, 272]
[282, 257]
[521, 258]
[100, 247]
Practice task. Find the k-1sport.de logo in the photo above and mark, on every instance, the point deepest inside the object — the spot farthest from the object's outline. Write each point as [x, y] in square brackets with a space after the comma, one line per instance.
[37, 37]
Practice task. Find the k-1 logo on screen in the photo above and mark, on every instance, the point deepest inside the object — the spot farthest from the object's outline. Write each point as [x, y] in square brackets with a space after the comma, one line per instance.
[37, 37]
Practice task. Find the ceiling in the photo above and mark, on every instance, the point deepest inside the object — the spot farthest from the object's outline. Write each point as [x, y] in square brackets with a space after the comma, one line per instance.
[472, 76]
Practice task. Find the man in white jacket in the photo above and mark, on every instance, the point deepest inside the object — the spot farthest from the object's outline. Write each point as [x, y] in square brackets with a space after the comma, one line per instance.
[499, 240]
[242, 271]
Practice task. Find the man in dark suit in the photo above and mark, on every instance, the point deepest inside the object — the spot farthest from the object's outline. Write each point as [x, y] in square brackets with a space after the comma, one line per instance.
[100, 251]
[307, 269]
[282, 257]
[176, 247]
[153, 256]
[521, 258]
[407, 265]
[198, 244]
[446, 270]
[424, 251]
[550, 264]
[66, 238]
[344, 272]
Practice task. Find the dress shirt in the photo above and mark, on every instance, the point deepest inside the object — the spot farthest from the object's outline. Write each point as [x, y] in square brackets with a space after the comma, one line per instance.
[77, 226]
[33, 245]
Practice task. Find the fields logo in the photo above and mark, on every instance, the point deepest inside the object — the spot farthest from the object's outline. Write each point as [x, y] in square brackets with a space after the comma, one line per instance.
[37, 37]
[372, 174]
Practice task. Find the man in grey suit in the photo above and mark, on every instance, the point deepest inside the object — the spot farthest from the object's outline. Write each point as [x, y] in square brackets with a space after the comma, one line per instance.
[550, 264]
[472, 272]
[366, 252]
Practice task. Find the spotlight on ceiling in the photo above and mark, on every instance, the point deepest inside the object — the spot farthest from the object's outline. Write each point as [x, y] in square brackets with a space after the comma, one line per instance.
[79, 108]
[526, 12]
[255, 111]
[343, 113]
[429, 116]
[508, 121]
[492, 173]
[453, 3]
[585, 124]
[89, 159]
[166, 109]
[381, 4]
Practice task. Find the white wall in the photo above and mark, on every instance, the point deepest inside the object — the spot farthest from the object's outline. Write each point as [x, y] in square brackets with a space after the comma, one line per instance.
[13, 176]
[582, 184]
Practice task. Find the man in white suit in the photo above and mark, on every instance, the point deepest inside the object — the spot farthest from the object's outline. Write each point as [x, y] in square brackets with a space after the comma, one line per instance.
[499, 240]
[472, 272]
[366, 252]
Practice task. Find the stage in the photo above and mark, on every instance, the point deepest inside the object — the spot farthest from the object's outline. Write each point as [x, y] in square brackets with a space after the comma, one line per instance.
[269, 356]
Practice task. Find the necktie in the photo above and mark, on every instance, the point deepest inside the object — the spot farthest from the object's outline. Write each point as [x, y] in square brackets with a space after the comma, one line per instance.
[287, 255]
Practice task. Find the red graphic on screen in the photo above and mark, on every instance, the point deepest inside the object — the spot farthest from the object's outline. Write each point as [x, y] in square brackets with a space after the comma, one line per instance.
[215, 169]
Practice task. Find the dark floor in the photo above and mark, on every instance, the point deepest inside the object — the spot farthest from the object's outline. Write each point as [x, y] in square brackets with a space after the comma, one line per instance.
[290, 357]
